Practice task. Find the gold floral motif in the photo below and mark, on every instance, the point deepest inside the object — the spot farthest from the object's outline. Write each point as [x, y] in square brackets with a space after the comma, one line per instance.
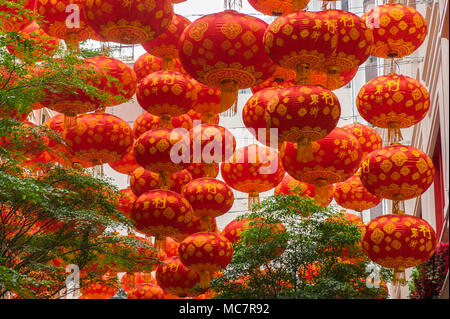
[377, 236]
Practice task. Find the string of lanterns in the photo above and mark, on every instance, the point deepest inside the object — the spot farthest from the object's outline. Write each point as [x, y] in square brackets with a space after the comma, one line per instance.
[193, 71]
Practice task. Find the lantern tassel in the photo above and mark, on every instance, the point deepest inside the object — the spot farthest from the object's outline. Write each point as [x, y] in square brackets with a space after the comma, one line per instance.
[394, 133]
[399, 278]
[210, 170]
[206, 224]
[146, 278]
[160, 245]
[303, 73]
[229, 97]
[321, 191]
[205, 279]
[164, 180]
[398, 205]
[253, 199]
[70, 120]
[304, 150]
[72, 42]
[167, 63]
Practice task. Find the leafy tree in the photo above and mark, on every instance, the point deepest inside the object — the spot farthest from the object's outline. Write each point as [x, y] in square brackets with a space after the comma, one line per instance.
[318, 241]
[54, 216]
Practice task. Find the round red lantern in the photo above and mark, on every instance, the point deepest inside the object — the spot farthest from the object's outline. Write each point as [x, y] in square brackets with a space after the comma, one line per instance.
[397, 172]
[254, 116]
[291, 186]
[302, 114]
[199, 170]
[301, 41]
[118, 80]
[280, 78]
[17, 19]
[175, 278]
[225, 50]
[393, 101]
[161, 213]
[165, 45]
[98, 291]
[143, 180]
[64, 19]
[208, 102]
[171, 248]
[233, 230]
[368, 137]
[126, 201]
[398, 242]
[126, 165]
[193, 227]
[278, 7]
[398, 30]
[146, 291]
[209, 198]
[148, 63]
[166, 94]
[335, 158]
[146, 122]
[43, 44]
[200, 118]
[351, 194]
[353, 41]
[205, 253]
[99, 138]
[211, 144]
[253, 169]
[332, 82]
[155, 149]
[129, 22]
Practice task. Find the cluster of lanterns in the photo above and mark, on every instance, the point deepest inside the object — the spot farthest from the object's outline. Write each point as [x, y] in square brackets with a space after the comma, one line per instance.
[192, 71]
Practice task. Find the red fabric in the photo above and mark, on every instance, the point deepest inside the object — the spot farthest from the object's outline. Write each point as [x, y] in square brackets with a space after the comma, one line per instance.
[397, 171]
[126, 165]
[148, 63]
[277, 7]
[146, 291]
[175, 278]
[369, 139]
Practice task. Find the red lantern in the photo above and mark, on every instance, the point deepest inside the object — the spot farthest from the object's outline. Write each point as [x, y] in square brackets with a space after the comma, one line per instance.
[398, 242]
[148, 63]
[353, 41]
[351, 194]
[253, 169]
[17, 21]
[165, 45]
[335, 158]
[302, 114]
[205, 253]
[211, 144]
[99, 138]
[300, 41]
[393, 101]
[175, 278]
[210, 198]
[64, 19]
[98, 291]
[193, 227]
[126, 201]
[208, 102]
[200, 118]
[129, 22]
[143, 180]
[154, 151]
[61, 152]
[398, 30]
[369, 139]
[199, 170]
[397, 172]
[126, 165]
[278, 7]
[279, 78]
[225, 50]
[146, 122]
[112, 70]
[161, 213]
[146, 291]
[254, 116]
[166, 94]
[332, 82]
[291, 186]
[171, 248]
[233, 230]
[43, 44]
[272, 83]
